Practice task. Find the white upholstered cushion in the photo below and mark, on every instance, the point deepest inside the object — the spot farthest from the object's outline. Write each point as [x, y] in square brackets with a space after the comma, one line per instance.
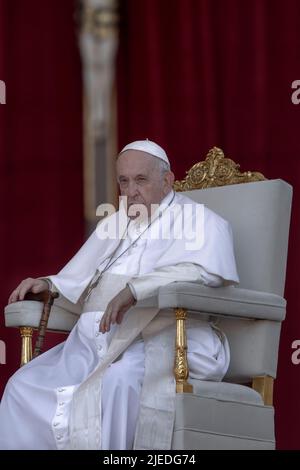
[226, 301]
[259, 214]
[28, 313]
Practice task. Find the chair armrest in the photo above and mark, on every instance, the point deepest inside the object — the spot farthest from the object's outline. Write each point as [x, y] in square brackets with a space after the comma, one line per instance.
[225, 301]
[63, 315]
[28, 313]
[150, 302]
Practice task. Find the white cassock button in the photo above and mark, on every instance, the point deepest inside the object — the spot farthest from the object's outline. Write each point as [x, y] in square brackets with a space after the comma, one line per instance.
[97, 334]
[59, 414]
[61, 389]
[98, 321]
[61, 403]
[59, 437]
[99, 348]
[55, 424]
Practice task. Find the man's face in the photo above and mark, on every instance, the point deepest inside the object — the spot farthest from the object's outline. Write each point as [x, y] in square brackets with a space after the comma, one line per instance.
[141, 179]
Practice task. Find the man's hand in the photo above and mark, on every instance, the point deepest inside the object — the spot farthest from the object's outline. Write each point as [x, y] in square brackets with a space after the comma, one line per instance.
[28, 285]
[116, 309]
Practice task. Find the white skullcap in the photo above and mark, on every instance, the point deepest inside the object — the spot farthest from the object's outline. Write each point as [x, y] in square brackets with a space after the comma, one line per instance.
[149, 147]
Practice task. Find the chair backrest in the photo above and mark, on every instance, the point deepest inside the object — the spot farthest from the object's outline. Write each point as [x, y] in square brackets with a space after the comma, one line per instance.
[259, 214]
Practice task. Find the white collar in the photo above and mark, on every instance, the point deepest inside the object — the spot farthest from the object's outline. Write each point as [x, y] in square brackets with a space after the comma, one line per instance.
[168, 198]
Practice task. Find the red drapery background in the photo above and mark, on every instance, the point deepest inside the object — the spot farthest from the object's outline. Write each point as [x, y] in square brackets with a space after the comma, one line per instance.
[194, 74]
[191, 74]
[40, 149]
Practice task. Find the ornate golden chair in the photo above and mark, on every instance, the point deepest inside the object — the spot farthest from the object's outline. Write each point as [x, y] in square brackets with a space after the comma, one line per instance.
[228, 414]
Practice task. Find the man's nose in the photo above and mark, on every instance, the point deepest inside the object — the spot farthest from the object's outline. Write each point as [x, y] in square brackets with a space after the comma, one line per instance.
[132, 189]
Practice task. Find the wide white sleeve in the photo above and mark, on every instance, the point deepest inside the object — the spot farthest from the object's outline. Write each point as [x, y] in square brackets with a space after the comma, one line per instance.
[148, 284]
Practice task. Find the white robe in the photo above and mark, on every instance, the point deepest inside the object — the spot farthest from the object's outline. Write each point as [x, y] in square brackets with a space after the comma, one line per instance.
[161, 247]
[54, 402]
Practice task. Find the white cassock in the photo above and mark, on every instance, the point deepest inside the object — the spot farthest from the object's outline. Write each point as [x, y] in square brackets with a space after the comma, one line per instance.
[117, 390]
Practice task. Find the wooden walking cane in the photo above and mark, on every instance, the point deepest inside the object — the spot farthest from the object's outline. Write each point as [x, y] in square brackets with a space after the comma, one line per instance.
[47, 297]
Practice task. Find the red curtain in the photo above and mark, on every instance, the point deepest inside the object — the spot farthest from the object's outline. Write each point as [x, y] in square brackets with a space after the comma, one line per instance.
[40, 148]
[193, 74]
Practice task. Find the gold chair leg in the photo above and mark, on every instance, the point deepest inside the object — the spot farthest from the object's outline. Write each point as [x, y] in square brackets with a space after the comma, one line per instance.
[181, 369]
[26, 335]
[264, 385]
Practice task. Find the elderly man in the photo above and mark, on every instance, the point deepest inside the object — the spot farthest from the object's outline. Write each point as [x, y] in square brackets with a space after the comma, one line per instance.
[96, 390]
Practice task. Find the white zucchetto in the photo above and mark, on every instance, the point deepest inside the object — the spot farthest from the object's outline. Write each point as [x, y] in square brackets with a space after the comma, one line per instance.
[149, 147]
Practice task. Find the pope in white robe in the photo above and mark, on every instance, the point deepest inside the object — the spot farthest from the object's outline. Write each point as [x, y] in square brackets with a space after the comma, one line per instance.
[110, 385]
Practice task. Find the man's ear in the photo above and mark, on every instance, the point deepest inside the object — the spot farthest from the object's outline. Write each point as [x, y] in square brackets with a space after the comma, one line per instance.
[169, 179]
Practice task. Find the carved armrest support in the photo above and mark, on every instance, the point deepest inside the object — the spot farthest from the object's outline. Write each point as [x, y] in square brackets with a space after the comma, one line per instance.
[181, 368]
[262, 384]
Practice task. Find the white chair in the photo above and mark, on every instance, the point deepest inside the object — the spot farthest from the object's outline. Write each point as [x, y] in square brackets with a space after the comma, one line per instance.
[228, 414]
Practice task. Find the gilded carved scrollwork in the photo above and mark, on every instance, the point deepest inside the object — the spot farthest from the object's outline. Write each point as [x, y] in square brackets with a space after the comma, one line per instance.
[180, 364]
[215, 170]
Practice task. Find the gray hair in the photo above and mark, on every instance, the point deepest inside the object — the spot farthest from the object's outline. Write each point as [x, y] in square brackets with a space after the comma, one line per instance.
[162, 166]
